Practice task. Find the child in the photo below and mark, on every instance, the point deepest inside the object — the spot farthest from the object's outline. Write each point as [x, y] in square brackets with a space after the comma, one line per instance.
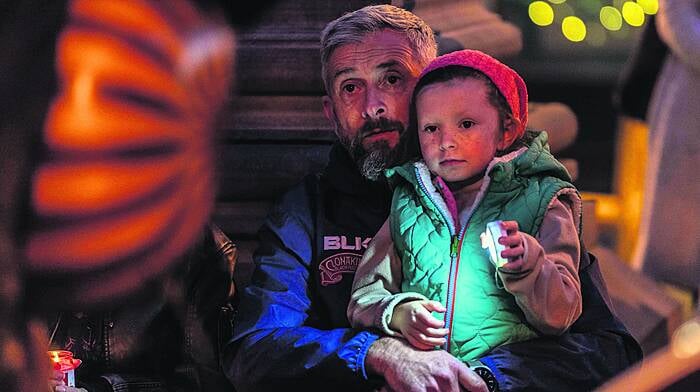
[469, 161]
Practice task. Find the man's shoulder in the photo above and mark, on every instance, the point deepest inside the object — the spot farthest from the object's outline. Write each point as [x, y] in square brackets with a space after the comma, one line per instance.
[297, 202]
[299, 195]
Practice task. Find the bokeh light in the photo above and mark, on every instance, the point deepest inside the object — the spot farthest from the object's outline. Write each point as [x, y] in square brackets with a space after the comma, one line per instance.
[617, 18]
[573, 29]
[611, 18]
[541, 13]
[686, 340]
[633, 14]
[650, 7]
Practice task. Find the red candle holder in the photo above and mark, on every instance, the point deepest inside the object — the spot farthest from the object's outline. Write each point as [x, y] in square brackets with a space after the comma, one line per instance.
[63, 360]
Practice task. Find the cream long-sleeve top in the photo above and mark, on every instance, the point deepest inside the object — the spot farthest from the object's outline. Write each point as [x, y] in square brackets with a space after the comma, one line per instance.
[548, 290]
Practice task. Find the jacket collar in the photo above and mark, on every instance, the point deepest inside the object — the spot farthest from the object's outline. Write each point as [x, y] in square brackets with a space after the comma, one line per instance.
[343, 175]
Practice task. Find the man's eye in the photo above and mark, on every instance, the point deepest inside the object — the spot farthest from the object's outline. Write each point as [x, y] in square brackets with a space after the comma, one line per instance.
[430, 129]
[393, 79]
[467, 124]
[349, 88]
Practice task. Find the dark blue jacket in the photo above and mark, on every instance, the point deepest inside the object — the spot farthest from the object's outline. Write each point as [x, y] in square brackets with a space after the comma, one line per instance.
[291, 328]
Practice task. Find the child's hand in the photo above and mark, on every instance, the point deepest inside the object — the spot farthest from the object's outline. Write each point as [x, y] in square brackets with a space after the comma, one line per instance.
[515, 249]
[56, 383]
[55, 379]
[415, 322]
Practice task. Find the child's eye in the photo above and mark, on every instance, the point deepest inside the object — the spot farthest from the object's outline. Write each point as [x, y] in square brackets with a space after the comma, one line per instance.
[430, 128]
[466, 124]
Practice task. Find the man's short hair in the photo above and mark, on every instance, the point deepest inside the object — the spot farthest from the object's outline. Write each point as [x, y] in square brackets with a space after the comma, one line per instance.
[354, 26]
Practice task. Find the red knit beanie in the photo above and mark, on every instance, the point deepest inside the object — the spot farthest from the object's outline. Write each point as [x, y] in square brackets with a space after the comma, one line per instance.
[507, 81]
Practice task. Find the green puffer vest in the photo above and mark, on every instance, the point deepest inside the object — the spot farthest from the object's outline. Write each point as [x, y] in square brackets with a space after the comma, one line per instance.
[480, 315]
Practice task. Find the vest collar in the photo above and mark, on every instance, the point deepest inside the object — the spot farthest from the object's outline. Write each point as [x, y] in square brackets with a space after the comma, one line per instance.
[441, 201]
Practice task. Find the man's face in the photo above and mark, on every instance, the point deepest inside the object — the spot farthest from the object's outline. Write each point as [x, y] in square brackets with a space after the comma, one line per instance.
[370, 85]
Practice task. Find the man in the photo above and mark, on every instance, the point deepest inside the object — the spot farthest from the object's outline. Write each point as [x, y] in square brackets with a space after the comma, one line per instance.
[292, 329]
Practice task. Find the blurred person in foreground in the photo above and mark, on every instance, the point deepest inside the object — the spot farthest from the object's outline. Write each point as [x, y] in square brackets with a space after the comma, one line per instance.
[108, 177]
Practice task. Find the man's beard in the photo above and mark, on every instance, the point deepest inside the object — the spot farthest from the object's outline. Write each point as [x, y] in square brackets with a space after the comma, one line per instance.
[374, 159]
[372, 163]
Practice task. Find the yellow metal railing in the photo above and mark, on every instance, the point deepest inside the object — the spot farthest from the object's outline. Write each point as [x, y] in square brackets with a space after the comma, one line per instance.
[620, 212]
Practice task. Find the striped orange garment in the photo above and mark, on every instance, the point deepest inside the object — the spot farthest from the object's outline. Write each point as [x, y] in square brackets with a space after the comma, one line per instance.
[126, 183]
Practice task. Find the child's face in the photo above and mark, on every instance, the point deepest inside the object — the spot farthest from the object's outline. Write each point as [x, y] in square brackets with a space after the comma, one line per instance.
[458, 128]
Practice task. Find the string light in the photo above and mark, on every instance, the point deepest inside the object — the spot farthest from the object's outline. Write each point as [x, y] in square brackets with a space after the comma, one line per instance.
[650, 7]
[633, 14]
[573, 29]
[611, 18]
[578, 19]
[541, 13]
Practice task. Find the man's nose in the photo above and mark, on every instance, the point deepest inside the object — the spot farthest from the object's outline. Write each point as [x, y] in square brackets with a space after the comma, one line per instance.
[375, 105]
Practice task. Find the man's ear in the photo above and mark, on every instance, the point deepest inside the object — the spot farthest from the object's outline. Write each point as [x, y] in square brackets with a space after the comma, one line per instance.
[509, 133]
[328, 109]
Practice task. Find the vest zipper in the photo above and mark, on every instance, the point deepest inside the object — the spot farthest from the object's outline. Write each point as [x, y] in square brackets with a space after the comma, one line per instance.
[451, 287]
[455, 246]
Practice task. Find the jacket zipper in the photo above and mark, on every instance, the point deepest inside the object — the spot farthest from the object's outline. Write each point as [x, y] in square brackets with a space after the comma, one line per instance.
[455, 246]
